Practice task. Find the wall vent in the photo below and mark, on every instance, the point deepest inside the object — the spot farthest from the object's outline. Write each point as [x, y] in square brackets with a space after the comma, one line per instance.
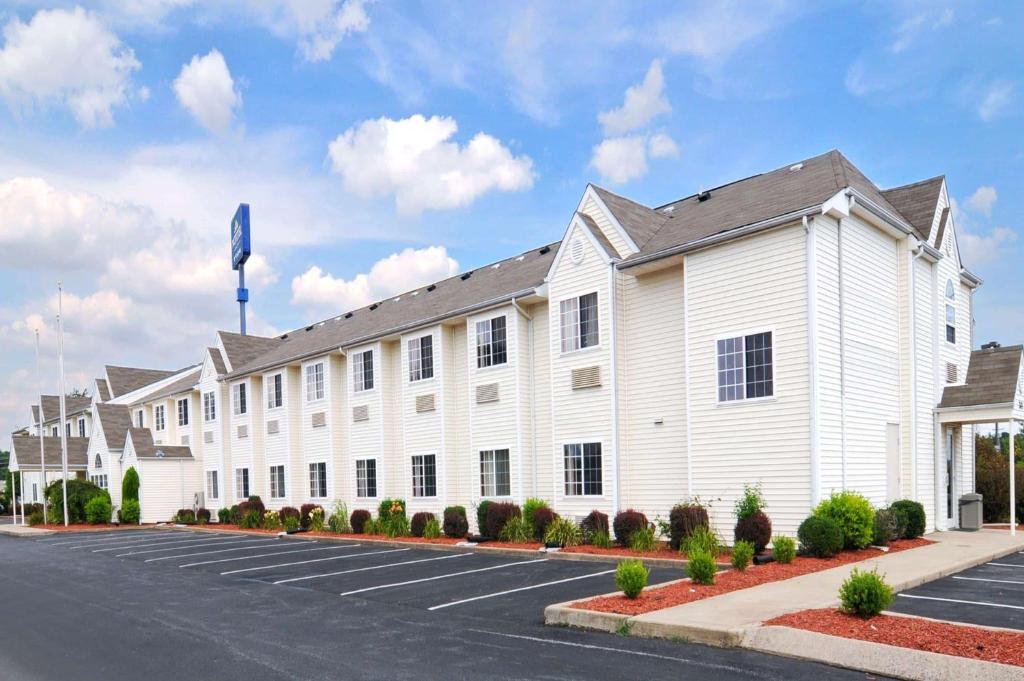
[576, 251]
[184, 440]
[425, 403]
[273, 427]
[320, 419]
[243, 432]
[952, 373]
[488, 392]
[208, 437]
[361, 413]
[586, 377]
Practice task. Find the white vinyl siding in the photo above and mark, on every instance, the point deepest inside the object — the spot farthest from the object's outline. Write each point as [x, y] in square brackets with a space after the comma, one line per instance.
[314, 382]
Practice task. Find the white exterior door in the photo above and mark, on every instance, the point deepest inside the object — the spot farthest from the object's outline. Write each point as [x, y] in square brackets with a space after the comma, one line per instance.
[949, 468]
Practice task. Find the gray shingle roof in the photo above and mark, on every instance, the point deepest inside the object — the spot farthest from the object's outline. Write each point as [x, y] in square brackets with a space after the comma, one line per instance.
[640, 222]
[241, 349]
[599, 235]
[145, 448]
[115, 420]
[218, 361]
[72, 406]
[495, 282]
[992, 378]
[26, 449]
[126, 379]
[917, 203]
[103, 388]
[182, 385]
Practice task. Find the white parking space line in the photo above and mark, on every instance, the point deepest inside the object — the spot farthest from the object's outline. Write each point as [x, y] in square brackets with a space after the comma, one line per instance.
[242, 546]
[82, 541]
[176, 548]
[134, 539]
[267, 555]
[1004, 565]
[996, 581]
[522, 588]
[315, 560]
[151, 542]
[372, 567]
[954, 600]
[452, 574]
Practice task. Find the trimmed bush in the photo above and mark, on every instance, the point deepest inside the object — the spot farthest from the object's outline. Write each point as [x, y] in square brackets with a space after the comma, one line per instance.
[683, 520]
[700, 567]
[702, 539]
[358, 520]
[419, 523]
[643, 540]
[784, 549]
[203, 516]
[626, 523]
[338, 522]
[564, 532]
[498, 514]
[389, 508]
[886, 527]
[291, 523]
[854, 515]
[129, 512]
[742, 554]
[750, 502]
[516, 530]
[541, 519]
[455, 524]
[130, 485]
[755, 528]
[820, 536]
[251, 520]
[631, 577]
[225, 516]
[35, 515]
[911, 517]
[529, 507]
[481, 516]
[257, 503]
[289, 512]
[80, 492]
[271, 520]
[594, 523]
[432, 530]
[304, 512]
[865, 594]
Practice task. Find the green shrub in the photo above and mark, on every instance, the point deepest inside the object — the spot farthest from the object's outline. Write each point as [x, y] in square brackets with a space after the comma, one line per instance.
[372, 527]
[304, 515]
[865, 593]
[80, 492]
[129, 512]
[98, 510]
[203, 516]
[316, 519]
[702, 539]
[683, 520]
[756, 528]
[700, 567]
[251, 520]
[631, 577]
[854, 515]
[742, 554]
[516, 530]
[432, 530]
[185, 516]
[529, 506]
[419, 522]
[291, 523]
[395, 526]
[626, 523]
[481, 516]
[784, 549]
[643, 540]
[225, 516]
[455, 524]
[390, 507]
[338, 522]
[911, 517]
[542, 517]
[35, 517]
[750, 502]
[498, 514]
[564, 532]
[271, 520]
[601, 540]
[130, 485]
[886, 527]
[820, 537]
[594, 522]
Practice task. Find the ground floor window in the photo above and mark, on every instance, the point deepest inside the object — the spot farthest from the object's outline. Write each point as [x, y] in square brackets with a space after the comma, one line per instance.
[424, 475]
[212, 489]
[318, 480]
[99, 480]
[241, 483]
[582, 468]
[495, 480]
[366, 478]
[277, 482]
[35, 492]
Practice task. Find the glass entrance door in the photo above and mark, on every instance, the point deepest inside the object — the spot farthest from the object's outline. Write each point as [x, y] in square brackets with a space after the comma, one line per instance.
[950, 475]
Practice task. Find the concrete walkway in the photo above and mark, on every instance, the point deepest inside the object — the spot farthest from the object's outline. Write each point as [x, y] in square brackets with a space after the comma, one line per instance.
[23, 531]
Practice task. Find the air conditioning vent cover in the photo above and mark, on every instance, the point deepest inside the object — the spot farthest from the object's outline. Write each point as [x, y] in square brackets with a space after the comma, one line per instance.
[273, 428]
[319, 419]
[425, 403]
[487, 392]
[361, 413]
[586, 377]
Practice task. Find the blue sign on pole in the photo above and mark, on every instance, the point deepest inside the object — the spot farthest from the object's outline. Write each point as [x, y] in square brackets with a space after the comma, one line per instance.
[241, 246]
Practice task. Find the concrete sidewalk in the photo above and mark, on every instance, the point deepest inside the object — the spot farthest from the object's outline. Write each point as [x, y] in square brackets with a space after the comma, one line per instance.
[23, 531]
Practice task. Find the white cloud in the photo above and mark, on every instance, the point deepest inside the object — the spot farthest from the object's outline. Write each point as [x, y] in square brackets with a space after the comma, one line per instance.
[620, 159]
[66, 58]
[321, 32]
[979, 249]
[642, 103]
[913, 26]
[982, 200]
[320, 291]
[205, 88]
[415, 160]
[661, 145]
[996, 100]
[715, 29]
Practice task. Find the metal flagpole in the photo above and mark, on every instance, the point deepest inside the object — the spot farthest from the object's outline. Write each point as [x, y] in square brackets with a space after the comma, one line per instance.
[63, 430]
[42, 448]
[21, 485]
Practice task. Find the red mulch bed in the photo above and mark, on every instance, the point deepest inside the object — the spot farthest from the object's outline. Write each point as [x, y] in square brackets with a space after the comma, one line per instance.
[528, 546]
[912, 632]
[733, 580]
[663, 552]
[233, 528]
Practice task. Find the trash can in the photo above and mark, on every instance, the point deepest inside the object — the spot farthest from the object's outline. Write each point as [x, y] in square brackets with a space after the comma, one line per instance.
[970, 512]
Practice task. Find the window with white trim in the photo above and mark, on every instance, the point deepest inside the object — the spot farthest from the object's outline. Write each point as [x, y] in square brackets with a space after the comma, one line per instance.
[579, 322]
[277, 482]
[583, 471]
[314, 382]
[138, 419]
[99, 480]
[495, 478]
[424, 475]
[491, 348]
[159, 417]
[209, 406]
[81, 427]
[362, 371]
[183, 411]
[421, 358]
[56, 431]
[238, 399]
[98, 463]
[318, 480]
[366, 478]
[275, 392]
[950, 312]
[745, 367]
[241, 484]
[212, 489]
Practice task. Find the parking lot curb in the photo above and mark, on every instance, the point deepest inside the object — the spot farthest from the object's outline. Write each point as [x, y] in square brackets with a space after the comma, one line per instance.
[874, 658]
[24, 532]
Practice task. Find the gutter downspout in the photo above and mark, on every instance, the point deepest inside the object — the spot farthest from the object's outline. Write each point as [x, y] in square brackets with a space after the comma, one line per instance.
[915, 254]
[842, 350]
[612, 296]
[812, 359]
[533, 401]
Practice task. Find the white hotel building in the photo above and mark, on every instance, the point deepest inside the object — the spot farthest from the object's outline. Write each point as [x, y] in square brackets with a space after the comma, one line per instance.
[800, 328]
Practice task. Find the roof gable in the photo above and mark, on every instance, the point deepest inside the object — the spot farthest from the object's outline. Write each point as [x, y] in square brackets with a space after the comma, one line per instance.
[239, 350]
[114, 420]
[584, 226]
[917, 203]
[993, 377]
[123, 380]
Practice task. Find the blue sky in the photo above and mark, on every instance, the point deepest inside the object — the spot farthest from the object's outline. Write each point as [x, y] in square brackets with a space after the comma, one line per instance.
[382, 145]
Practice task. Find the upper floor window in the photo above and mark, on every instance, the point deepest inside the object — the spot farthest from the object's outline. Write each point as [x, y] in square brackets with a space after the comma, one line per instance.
[314, 382]
[98, 463]
[183, 411]
[67, 427]
[421, 358]
[362, 371]
[81, 427]
[950, 312]
[238, 399]
[209, 406]
[490, 342]
[275, 394]
[159, 417]
[745, 367]
[56, 431]
[139, 418]
[579, 323]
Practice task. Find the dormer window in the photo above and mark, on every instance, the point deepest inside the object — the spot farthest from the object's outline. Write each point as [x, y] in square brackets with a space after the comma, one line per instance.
[159, 417]
[950, 312]
[138, 419]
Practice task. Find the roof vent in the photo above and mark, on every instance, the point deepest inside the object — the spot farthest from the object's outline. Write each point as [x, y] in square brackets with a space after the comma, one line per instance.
[466, 276]
[309, 328]
[991, 345]
[431, 287]
[704, 195]
[348, 315]
[545, 250]
[795, 167]
[521, 258]
[668, 209]
[374, 306]
[284, 336]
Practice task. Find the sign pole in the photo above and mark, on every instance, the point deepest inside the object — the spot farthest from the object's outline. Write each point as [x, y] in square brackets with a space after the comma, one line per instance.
[63, 429]
[242, 298]
[42, 448]
[241, 247]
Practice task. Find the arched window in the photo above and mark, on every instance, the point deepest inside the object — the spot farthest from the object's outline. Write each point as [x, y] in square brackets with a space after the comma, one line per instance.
[99, 462]
[950, 292]
[950, 312]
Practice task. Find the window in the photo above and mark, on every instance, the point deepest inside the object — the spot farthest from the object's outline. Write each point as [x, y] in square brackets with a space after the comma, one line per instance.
[745, 367]
[950, 313]
[56, 431]
[35, 492]
[212, 492]
[314, 382]
[362, 371]
[277, 482]
[183, 412]
[209, 406]
[241, 483]
[494, 473]
[579, 323]
[318, 480]
[582, 468]
[81, 427]
[421, 358]
[275, 396]
[67, 428]
[159, 419]
[366, 478]
[238, 400]
[490, 342]
[99, 480]
[99, 463]
[424, 475]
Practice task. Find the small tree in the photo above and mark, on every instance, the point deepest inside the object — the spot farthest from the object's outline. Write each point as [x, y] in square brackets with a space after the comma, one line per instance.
[130, 485]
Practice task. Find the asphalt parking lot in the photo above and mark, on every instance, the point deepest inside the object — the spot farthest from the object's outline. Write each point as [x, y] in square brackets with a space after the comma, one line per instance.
[172, 605]
[990, 595]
